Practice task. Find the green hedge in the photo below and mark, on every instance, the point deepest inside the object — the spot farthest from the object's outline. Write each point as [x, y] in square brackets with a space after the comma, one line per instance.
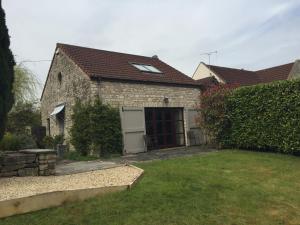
[265, 117]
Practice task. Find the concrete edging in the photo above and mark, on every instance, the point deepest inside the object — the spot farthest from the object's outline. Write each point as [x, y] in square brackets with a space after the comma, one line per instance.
[51, 199]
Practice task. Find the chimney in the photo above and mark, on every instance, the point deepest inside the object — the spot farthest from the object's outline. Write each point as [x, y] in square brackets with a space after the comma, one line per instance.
[155, 57]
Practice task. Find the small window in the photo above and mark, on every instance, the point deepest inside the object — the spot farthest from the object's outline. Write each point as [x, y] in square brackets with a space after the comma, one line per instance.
[146, 68]
[59, 77]
[152, 69]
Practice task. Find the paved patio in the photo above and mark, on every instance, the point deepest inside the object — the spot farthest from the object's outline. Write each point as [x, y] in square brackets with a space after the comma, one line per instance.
[166, 154]
[85, 166]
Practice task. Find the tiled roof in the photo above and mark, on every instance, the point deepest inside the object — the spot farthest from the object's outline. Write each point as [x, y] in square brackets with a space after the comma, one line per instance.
[114, 65]
[207, 82]
[275, 73]
[236, 76]
[246, 77]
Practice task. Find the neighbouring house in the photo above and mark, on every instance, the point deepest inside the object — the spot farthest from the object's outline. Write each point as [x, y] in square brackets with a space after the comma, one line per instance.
[209, 75]
[156, 101]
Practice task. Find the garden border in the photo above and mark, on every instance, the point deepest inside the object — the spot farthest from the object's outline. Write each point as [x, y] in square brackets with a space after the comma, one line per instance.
[51, 199]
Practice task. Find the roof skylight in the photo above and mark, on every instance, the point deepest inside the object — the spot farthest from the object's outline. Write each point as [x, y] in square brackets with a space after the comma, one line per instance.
[146, 68]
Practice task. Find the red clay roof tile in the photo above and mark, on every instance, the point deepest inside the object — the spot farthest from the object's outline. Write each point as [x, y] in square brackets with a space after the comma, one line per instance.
[114, 65]
[246, 77]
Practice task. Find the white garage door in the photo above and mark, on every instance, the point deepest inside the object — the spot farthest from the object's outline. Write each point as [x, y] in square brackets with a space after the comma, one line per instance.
[133, 128]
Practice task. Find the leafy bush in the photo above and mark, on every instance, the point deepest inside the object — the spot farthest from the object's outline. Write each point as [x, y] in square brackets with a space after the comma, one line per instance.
[266, 117]
[58, 140]
[27, 141]
[10, 142]
[22, 116]
[13, 142]
[212, 111]
[96, 129]
[261, 117]
[52, 142]
[48, 142]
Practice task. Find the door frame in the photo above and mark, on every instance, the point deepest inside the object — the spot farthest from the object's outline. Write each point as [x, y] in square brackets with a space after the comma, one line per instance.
[165, 134]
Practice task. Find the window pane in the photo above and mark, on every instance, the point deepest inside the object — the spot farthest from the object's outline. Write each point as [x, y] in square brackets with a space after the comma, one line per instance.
[159, 126]
[152, 69]
[160, 140]
[169, 127]
[141, 67]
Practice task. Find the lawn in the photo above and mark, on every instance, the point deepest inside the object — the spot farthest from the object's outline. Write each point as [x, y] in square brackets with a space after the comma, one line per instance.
[227, 187]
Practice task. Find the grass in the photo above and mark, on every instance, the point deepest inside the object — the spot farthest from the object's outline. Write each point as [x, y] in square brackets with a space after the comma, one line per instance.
[228, 187]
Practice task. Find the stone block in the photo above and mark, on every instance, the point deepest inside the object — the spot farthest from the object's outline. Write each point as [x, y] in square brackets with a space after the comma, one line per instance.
[13, 158]
[44, 172]
[51, 165]
[31, 165]
[12, 167]
[8, 174]
[43, 161]
[29, 158]
[42, 157]
[51, 171]
[28, 172]
[43, 167]
[51, 161]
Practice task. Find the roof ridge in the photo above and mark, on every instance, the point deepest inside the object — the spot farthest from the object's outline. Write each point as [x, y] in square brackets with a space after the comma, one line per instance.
[274, 67]
[229, 68]
[102, 50]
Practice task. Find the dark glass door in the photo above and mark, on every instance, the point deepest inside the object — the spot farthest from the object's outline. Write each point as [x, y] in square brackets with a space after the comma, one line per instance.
[164, 127]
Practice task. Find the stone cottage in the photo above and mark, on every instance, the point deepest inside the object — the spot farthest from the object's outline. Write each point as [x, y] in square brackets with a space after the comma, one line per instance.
[156, 101]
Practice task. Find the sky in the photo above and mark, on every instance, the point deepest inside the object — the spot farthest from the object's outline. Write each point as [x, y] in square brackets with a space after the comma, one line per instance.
[246, 34]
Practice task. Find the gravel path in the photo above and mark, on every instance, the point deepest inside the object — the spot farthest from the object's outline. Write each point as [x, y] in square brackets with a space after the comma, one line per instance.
[18, 187]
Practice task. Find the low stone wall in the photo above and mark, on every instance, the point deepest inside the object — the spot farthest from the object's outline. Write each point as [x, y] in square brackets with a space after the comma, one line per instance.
[29, 162]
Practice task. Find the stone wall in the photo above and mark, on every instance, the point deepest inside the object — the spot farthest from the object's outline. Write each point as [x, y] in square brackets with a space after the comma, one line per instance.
[31, 162]
[74, 84]
[147, 95]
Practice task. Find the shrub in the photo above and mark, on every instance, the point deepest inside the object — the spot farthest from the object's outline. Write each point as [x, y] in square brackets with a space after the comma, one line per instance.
[266, 117]
[52, 142]
[212, 111]
[13, 142]
[10, 142]
[96, 129]
[58, 140]
[27, 141]
[48, 142]
[22, 116]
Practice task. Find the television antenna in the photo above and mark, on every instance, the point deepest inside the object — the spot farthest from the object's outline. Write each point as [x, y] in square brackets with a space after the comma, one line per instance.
[209, 54]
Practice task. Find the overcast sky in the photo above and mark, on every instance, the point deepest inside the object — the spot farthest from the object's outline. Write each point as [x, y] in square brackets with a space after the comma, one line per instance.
[247, 34]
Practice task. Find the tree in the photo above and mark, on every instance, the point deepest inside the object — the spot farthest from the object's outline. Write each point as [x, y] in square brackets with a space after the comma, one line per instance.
[25, 113]
[23, 116]
[6, 73]
[25, 85]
